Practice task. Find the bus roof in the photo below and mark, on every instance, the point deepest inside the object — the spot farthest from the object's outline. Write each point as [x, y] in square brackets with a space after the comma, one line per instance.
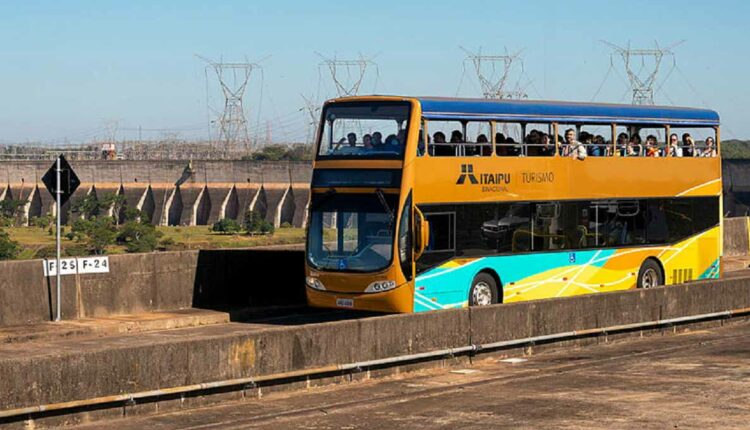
[437, 108]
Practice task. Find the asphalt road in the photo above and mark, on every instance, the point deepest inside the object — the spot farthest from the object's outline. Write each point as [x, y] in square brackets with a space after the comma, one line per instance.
[699, 379]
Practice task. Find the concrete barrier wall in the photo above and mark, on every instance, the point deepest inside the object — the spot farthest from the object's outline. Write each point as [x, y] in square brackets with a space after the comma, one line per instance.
[211, 279]
[135, 283]
[151, 361]
[736, 236]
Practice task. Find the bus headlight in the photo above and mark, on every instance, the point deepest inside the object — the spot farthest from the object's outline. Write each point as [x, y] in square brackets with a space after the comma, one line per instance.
[314, 283]
[380, 286]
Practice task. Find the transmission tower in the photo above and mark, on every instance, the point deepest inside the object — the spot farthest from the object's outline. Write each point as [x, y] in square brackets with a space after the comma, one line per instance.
[232, 123]
[311, 111]
[348, 75]
[495, 71]
[642, 68]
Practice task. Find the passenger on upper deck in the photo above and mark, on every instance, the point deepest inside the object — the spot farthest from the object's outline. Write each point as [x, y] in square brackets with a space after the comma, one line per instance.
[635, 146]
[622, 144]
[652, 147]
[548, 148]
[367, 141]
[440, 148]
[377, 139]
[710, 150]
[688, 146]
[485, 149]
[574, 148]
[674, 147]
[604, 148]
[500, 148]
[457, 137]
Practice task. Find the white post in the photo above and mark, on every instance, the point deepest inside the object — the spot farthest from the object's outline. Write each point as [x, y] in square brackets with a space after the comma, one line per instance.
[58, 193]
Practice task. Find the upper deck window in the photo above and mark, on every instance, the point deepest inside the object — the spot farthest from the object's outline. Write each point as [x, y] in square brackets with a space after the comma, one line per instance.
[357, 130]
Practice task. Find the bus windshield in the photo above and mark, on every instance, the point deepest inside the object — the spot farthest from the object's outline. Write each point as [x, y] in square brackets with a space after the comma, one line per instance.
[351, 232]
[364, 130]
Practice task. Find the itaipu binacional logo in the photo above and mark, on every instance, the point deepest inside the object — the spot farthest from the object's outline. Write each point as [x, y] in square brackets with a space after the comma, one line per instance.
[490, 182]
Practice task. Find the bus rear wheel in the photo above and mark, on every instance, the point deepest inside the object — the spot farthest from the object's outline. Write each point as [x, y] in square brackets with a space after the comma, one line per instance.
[483, 291]
[650, 275]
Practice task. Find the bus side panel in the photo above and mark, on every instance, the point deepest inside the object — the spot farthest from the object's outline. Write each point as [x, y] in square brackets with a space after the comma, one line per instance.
[567, 273]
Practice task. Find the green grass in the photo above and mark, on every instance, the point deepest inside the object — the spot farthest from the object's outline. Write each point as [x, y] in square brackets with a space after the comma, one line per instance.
[35, 241]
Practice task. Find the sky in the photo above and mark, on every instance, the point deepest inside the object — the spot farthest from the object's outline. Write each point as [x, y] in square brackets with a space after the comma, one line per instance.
[73, 71]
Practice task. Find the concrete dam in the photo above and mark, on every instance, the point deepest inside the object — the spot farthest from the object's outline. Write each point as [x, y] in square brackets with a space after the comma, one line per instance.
[177, 193]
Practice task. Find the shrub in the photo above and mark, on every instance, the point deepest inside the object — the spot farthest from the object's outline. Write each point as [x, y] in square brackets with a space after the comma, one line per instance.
[138, 236]
[44, 221]
[255, 223]
[9, 248]
[226, 226]
[96, 233]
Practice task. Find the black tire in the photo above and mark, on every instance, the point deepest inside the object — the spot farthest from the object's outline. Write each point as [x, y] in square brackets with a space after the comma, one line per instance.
[650, 275]
[483, 291]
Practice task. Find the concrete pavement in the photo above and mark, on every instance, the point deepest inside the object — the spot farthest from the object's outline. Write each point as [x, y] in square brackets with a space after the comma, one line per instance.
[698, 379]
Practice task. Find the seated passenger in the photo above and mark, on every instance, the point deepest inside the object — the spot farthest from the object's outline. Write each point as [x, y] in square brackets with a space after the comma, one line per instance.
[441, 148]
[532, 142]
[401, 136]
[688, 146]
[587, 140]
[710, 149]
[622, 144]
[674, 146]
[457, 137]
[547, 148]
[604, 149]
[484, 147]
[635, 147]
[367, 141]
[391, 143]
[652, 147]
[513, 149]
[500, 148]
[377, 139]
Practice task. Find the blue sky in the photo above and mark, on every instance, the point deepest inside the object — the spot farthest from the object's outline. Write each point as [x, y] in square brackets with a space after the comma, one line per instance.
[71, 69]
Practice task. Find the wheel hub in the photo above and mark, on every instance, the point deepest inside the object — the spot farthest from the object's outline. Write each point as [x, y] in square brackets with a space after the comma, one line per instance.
[482, 294]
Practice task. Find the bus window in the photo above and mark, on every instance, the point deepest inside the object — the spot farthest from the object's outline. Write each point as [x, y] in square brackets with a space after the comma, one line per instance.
[474, 235]
[358, 130]
[446, 137]
[597, 138]
[693, 142]
[539, 140]
[441, 245]
[508, 139]
[478, 139]
[705, 213]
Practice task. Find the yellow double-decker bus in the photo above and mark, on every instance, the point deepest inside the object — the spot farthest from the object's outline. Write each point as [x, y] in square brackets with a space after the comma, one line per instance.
[433, 203]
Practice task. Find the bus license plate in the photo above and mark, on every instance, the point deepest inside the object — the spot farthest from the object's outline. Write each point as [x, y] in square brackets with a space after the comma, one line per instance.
[345, 303]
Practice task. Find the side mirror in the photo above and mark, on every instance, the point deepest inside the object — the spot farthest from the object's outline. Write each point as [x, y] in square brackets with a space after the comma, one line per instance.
[421, 233]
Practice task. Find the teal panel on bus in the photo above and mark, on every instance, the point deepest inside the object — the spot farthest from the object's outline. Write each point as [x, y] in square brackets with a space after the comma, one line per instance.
[447, 286]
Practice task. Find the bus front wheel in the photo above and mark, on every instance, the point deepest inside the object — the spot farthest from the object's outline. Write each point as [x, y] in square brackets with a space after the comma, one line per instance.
[483, 290]
[650, 275]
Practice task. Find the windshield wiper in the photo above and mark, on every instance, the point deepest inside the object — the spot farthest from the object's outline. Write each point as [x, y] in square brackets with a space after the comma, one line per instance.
[387, 208]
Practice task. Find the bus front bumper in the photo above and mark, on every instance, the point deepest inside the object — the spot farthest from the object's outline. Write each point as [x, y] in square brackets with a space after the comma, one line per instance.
[399, 299]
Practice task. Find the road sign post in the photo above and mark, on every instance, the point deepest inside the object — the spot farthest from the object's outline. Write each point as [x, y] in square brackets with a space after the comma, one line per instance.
[58, 214]
[61, 181]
